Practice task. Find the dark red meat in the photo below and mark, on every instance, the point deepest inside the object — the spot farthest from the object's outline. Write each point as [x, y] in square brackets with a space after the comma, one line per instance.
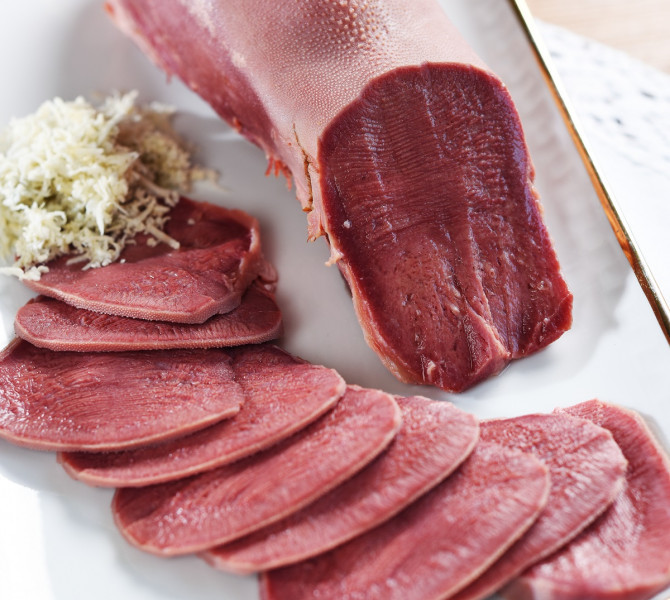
[281, 396]
[625, 554]
[55, 325]
[435, 546]
[587, 471]
[194, 514]
[219, 256]
[100, 401]
[406, 152]
[434, 439]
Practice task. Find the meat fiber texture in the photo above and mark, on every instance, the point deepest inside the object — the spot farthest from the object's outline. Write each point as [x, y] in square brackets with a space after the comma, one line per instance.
[625, 554]
[434, 547]
[407, 155]
[282, 394]
[219, 256]
[587, 470]
[108, 401]
[434, 439]
[58, 326]
[194, 514]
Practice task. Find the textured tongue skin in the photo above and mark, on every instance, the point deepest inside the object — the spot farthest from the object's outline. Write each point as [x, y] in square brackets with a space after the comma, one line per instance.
[434, 439]
[282, 394]
[203, 511]
[625, 554]
[218, 258]
[435, 546]
[405, 151]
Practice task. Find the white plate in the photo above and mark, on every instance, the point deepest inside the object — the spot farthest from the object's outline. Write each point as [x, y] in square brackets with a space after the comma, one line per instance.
[58, 540]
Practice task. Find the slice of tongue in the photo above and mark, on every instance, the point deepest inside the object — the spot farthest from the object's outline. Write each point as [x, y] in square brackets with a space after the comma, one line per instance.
[435, 546]
[58, 326]
[434, 439]
[219, 256]
[197, 513]
[108, 401]
[282, 394]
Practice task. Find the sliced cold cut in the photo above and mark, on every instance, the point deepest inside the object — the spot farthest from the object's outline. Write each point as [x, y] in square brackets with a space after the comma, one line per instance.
[625, 554]
[406, 152]
[434, 439]
[55, 325]
[106, 401]
[435, 546]
[191, 515]
[282, 394]
[219, 256]
[587, 471]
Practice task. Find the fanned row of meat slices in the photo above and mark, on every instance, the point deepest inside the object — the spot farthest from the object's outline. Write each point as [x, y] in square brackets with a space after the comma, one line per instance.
[261, 462]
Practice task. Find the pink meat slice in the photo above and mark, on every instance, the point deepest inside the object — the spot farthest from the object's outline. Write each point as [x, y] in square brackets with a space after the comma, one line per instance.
[194, 514]
[625, 554]
[282, 394]
[58, 326]
[99, 401]
[407, 153]
[587, 470]
[434, 439]
[435, 546]
[219, 256]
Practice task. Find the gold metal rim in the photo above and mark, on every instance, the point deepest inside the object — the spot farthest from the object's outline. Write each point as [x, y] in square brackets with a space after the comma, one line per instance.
[609, 203]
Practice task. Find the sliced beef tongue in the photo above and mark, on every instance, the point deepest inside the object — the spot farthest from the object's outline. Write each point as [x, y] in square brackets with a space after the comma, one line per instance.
[107, 401]
[434, 439]
[625, 554]
[219, 256]
[282, 394]
[58, 326]
[587, 471]
[435, 546]
[197, 513]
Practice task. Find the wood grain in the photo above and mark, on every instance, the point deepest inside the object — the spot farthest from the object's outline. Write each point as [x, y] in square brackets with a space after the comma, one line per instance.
[640, 27]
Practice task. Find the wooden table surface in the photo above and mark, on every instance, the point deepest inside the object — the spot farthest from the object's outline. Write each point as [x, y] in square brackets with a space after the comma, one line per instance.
[639, 27]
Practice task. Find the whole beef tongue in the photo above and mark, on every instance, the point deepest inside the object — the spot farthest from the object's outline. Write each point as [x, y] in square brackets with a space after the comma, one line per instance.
[625, 554]
[406, 152]
[99, 401]
[282, 394]
[434, 439]
[191, 515]
[587, 471]
[435, 546]
[219, 256]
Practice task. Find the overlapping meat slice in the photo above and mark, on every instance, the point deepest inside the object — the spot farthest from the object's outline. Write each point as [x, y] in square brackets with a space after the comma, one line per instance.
[625, 554]
[434, 439]
[406, 152]
[282, 394]
[219, 256]
[52, 324]
[197, 513]
[587, 471]
[435, 546]
[107, 401]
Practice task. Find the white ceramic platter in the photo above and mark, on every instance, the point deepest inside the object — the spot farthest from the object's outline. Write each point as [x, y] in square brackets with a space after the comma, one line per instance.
[57, 539]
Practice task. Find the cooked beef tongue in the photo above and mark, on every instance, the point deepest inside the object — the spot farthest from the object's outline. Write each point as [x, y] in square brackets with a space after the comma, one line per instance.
[108, 401]
[55, 325]
[406, 152]
[219, 256]
[282, 394]
[587, 471]
[434, 439]
[193, 514]
[625, 554]
[435, 546]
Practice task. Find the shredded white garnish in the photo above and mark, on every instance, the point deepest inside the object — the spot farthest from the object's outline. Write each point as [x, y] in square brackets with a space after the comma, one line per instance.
[83, 181]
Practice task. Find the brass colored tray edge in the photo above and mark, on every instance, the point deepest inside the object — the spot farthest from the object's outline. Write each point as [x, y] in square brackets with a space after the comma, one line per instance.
[612, 209]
